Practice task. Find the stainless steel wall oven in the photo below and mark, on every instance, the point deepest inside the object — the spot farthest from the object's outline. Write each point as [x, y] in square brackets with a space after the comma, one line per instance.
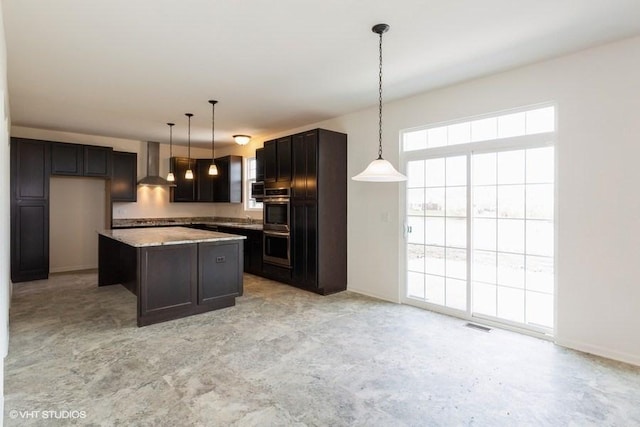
[276, 223]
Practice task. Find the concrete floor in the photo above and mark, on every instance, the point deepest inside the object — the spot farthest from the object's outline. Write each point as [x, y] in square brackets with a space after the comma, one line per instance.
[283, 356]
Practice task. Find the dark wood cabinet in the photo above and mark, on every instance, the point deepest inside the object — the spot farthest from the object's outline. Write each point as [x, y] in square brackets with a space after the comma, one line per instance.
[319, 211]
[185, 190]
[283, 156]
[260, 164]
[67, 159]
[220, 271]
[173, 281]
[227, 187]
[97, 161]
[29, 182]
[304, 225]
[252, 247]
[270, 162]
[81, 160]
[124, 177]
[305, 166]
[277, 162]
[204, 182]
[168, 280]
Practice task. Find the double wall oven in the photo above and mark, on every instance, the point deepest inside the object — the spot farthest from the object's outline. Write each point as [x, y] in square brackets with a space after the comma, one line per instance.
[277, 237]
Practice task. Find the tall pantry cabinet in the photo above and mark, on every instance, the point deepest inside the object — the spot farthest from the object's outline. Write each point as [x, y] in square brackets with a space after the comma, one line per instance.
[319, 210]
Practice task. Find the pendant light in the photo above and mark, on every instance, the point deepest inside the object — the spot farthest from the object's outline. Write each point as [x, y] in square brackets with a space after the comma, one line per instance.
[213, 169]
[170, 176]
[241, 139]
[189, 173]
[380, 170]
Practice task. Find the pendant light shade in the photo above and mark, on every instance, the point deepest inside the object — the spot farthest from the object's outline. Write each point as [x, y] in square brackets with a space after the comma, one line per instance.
[380, 170]
[170, 176]
[189, 173]
[213, 169]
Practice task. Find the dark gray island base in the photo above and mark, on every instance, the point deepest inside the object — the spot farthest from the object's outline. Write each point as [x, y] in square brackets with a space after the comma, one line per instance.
[174, 271]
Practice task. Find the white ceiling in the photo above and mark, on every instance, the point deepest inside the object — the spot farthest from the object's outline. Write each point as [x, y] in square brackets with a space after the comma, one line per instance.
[124, 68]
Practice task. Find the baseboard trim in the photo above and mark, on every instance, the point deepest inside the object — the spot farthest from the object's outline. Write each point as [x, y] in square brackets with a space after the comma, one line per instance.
[371, 294]
[73, 268]
[600, 351]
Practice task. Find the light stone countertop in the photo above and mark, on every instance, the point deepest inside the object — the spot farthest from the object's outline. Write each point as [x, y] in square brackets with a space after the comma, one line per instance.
[154, 222]
[142, 237]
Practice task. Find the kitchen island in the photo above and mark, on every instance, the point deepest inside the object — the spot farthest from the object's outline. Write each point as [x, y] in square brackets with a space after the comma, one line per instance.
[173, 271]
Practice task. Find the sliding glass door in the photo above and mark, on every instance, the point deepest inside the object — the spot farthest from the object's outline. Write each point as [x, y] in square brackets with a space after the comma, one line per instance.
[480, 228]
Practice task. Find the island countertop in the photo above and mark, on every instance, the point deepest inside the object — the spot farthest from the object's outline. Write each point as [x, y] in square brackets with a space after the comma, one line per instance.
[143, 237]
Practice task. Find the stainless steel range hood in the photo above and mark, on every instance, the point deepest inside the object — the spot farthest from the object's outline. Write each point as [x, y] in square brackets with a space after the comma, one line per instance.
[153, 167]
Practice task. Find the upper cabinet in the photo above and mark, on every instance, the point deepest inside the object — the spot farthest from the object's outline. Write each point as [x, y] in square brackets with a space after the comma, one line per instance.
[184, 191]
[226, 187]
[228, 183]
[67, 159]
[260, 164]
[80, 160]
[124, 177]
[277, 162]
[304, 180]
[204, 182]
[97, 161]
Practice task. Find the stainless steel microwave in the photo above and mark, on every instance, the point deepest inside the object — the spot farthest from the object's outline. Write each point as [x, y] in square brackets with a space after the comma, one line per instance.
[257, 190]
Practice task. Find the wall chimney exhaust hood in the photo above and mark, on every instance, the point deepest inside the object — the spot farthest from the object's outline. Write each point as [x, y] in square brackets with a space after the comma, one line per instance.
[153, 167]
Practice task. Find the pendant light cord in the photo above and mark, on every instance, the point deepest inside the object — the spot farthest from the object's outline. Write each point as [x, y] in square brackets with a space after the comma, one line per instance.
[213, 127]
[170, 145]
[189, 139]
[380, 102]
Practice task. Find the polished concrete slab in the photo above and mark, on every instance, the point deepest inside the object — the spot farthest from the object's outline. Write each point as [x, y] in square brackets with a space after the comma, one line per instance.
[284, 357]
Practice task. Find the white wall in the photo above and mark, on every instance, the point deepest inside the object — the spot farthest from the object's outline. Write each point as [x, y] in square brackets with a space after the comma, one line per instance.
[5, 281]
[76, 211]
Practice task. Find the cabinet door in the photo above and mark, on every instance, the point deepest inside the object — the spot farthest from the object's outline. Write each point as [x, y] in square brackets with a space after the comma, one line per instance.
[124, 177]
[168, 281]
[30, 240]
[255, 253]
[260, 164]
[97, 161]
[29, 182]
[304, 160]
[67, 159]
[220, 270]
[304, 241]
[184, 191]
[204, 181]
[270, 162]
[221, 183]
[30, 168]
[283, 153]
[228, 183]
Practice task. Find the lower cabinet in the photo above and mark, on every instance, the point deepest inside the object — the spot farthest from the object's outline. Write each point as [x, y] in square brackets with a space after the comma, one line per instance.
[252, 248]
[219, 275]
[29, 240]
[304, 244]
[173, 281]
[168, 280]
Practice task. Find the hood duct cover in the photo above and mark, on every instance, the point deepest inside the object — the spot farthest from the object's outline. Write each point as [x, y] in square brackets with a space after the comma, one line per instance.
[153, 167]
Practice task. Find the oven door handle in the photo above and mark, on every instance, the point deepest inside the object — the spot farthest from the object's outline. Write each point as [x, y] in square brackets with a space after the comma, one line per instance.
[276, 233]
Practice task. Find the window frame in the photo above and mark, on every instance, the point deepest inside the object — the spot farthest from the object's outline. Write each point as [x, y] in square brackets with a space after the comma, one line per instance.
[248, 180]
